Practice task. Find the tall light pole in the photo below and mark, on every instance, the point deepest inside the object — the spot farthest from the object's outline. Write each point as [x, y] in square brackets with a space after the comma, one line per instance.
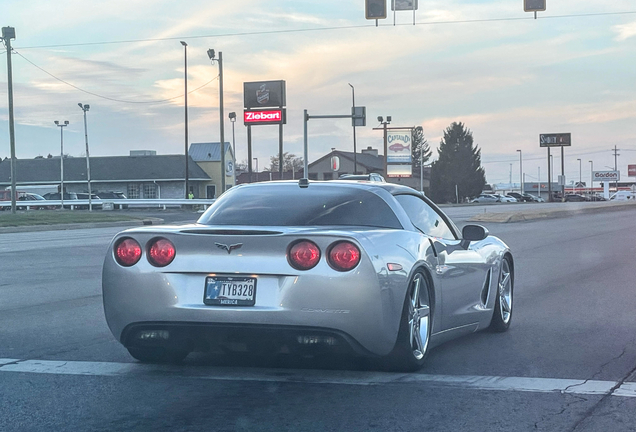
[85, 108]
[355, 160]
[580, 163]
[61, 126]
[520, 172]
[385, 125]
[256, 160]
[211, 55]
[185, 93]
[8, 33]
[591, 176]
[232, 117]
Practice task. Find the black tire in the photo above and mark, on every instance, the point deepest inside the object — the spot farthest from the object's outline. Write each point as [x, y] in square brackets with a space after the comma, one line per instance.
[157, 354]
[408, 355]
[502, 313]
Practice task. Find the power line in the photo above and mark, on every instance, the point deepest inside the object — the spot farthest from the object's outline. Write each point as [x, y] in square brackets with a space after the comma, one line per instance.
[109, 98]
[316, 29]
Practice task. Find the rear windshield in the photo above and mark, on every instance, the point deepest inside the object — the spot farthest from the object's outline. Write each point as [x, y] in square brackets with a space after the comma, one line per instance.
[289, 205]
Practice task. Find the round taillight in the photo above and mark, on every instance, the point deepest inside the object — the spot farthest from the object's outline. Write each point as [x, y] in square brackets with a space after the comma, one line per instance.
[161, 252]
[304, 255]
[344, 256]
[127, 252]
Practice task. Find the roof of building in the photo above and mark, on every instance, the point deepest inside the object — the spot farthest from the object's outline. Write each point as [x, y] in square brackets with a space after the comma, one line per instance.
[111, 168]
[369, 161]
[207, 152]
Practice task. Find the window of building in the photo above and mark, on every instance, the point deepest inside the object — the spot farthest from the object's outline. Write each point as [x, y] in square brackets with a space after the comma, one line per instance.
[133, 191]
[150, 191]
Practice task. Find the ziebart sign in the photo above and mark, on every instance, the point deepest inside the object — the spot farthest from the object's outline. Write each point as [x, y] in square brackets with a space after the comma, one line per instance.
[399, 147]
[606, 176]
[264, 117]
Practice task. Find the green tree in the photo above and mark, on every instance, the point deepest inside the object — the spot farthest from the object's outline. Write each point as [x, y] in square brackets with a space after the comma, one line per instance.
[420, 146]
[459, 163]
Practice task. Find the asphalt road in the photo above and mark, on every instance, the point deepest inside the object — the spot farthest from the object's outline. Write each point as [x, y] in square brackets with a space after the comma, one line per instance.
[568, 362]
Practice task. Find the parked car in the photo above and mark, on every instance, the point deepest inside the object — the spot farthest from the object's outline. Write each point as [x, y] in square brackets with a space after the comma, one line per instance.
[367, 177]
[107, 196]
[596, 197]
[574, 198]
[33, 197]
[84, 196]
[536, 198]
[55, 196]
[505, 199]
[485, 199]
[5, 195]
[623, 196]
[520, 197]
[307, 274]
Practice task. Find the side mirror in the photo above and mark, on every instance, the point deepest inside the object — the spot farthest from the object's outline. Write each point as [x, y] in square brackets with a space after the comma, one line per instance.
[474, 233]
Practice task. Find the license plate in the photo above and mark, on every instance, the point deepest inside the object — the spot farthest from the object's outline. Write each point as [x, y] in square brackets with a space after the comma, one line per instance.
[230, 291]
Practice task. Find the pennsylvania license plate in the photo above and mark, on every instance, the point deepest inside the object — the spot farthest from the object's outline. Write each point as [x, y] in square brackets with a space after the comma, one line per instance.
[230, 291]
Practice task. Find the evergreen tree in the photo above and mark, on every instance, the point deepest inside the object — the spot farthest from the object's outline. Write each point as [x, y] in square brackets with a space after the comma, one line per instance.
[459, 163]
[420, 145]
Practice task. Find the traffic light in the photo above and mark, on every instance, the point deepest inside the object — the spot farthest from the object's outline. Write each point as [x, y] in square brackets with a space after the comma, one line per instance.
[375, 9]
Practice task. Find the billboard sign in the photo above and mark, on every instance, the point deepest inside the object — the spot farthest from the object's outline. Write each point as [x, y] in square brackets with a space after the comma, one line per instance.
[399, 170]
[399, 147]
[631, 170]
[264, 94]
[264, 117]
[606, 176]
[555, 140]
[403, 5]
[534, 5]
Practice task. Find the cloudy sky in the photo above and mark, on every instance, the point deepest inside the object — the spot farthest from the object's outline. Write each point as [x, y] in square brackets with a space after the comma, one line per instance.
[482, 62]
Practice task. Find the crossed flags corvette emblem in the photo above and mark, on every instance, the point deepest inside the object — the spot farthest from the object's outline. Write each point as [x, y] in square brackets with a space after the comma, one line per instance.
[229, 248]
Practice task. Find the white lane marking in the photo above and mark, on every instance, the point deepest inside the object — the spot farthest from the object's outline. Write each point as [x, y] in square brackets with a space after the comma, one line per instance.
[493, 383]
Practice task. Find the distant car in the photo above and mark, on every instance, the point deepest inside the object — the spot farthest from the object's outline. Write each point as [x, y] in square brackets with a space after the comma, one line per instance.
[596, 197]
[33, 197]
[520, 197]
[574, 198]
[84, 196]
[114, 196]
[55, 196]
[485, 199]
[368, 177]
[623, 196]
[505, 199]
[536, 198]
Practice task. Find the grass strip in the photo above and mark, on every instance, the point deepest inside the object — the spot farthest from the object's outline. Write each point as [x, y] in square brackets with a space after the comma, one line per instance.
[56, 217]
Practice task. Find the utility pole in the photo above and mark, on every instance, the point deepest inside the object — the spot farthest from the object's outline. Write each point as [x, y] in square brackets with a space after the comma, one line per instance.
[85, 108]
[8, 33]
[222, 120]
[616, 155]
[185, 93]
[510, 176]
[520, 172]
[62, 126]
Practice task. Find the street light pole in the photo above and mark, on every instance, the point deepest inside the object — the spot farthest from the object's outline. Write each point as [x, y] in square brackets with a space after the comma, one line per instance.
[591, 176]
[88, 162]
[580, 178]
[353, 120]
[185, 80]
[62, 126]
[520, 172]
[232, 117]
[256, 160]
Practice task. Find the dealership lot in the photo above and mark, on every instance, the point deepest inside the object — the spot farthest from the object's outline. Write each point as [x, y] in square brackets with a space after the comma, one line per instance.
[568, 362]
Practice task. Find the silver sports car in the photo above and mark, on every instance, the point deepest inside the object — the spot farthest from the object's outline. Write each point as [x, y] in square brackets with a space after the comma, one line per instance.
[367, 268]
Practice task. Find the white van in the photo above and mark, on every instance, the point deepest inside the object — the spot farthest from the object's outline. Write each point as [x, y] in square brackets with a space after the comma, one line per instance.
[623, 196]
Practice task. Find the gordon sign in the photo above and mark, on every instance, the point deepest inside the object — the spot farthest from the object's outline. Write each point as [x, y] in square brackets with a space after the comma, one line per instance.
[264, 94]
[606, 176]
[555, 140]
[264, 117]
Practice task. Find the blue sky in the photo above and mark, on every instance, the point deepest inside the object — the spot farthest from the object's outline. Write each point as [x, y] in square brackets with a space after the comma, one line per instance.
[507, 81]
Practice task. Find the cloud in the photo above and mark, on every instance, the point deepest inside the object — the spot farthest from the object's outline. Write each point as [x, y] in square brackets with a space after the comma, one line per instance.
[624, 31]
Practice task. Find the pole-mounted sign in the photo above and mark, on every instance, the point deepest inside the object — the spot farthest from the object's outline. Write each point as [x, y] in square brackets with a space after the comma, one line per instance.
[534, 6]
[265, 117]
[555, 140]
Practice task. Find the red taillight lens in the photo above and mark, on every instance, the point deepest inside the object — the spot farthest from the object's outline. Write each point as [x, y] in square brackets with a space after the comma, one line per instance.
[304, 255]
[344, 256]
[127, 252]
[161, 252]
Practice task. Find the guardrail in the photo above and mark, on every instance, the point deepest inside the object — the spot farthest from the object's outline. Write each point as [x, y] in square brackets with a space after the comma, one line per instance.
[104, 203]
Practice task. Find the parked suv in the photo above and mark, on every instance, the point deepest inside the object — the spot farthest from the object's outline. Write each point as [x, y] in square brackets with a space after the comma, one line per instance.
[105, 196]
[520, 197]
[369, 177]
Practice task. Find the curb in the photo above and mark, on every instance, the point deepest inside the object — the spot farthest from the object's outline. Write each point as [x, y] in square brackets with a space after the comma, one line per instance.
[553, 214]
[87, 225]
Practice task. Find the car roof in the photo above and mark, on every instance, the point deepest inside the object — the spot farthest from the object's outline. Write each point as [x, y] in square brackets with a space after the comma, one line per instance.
[393, 189]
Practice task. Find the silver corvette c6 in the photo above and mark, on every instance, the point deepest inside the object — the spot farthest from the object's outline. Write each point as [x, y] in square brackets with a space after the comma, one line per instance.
[371, 269]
